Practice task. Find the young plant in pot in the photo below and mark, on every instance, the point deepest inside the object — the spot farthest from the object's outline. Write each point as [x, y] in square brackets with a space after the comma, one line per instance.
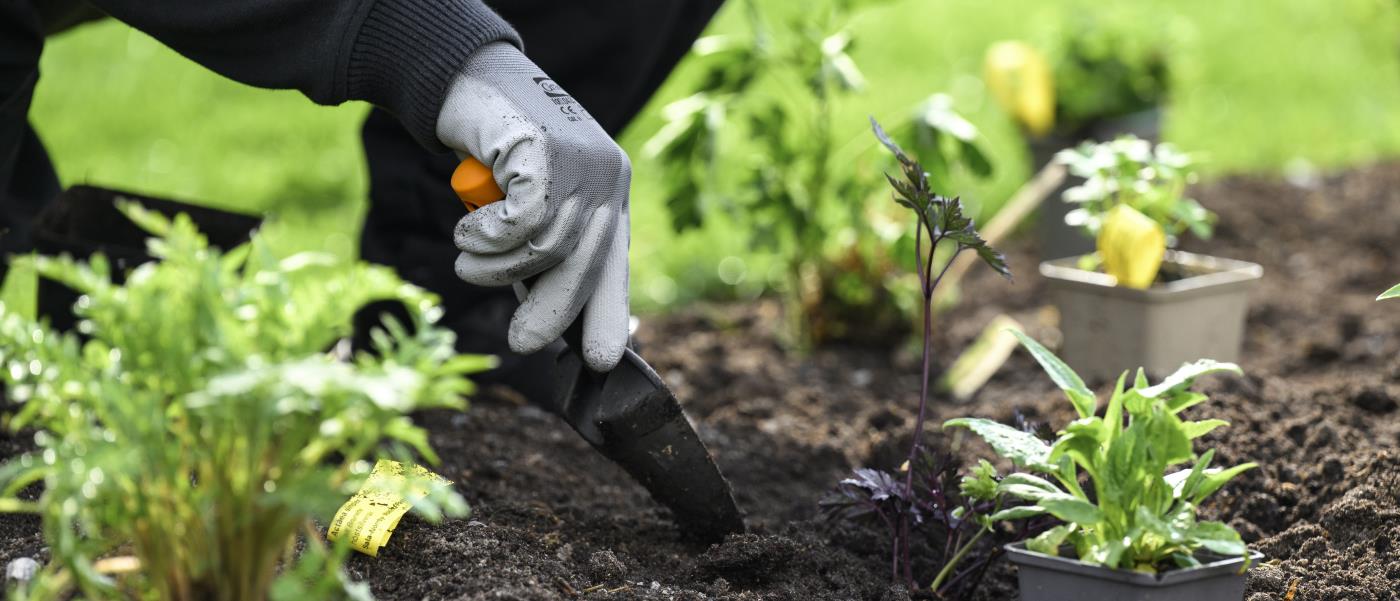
[1126, 483]
[954, 510]
[202, 429]
[1134, 301]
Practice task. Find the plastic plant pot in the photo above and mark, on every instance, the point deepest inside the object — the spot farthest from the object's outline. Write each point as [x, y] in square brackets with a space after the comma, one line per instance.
[84, 220]
[1108, 328]
[1050, 578]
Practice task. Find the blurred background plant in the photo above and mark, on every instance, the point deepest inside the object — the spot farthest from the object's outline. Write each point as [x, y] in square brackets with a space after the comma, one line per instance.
[1132, 202]
[202, 427]
[1129, 171]
[1301, 87]
[793, 178]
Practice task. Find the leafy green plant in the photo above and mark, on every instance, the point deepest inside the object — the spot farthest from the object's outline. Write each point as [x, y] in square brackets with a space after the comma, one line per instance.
[1136, 514]
[925, 489]
[1131, 171]
[759, 141]
[1103, 72]
[205, 428]
[1394, 292]
[1133, 200]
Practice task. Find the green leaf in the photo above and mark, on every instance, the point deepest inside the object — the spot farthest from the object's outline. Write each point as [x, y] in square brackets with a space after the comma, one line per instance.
[18, 506]
[1017, 513]
[1215, 479]
[1218, 538]
[1022, 448]
[976, 160]
[1050, 541]
[1113, 414]
[1071, 509]
[1064, 377]
[1184, 376]
[1183, 400]
[1022, 479]
[982, 483]
[1194, 430]
[1185, 482]
[1394, 292]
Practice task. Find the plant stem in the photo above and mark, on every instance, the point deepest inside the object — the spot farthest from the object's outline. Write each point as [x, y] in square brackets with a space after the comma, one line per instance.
[949, 565]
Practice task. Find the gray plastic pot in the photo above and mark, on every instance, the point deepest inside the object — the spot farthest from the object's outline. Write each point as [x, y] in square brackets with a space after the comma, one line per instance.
[1108, 329]
[1049, 578]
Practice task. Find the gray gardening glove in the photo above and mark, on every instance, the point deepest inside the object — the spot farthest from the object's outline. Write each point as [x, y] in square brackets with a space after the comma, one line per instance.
[565, 213]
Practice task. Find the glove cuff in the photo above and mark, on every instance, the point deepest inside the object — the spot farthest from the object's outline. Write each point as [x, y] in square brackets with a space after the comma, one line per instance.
[408, 51]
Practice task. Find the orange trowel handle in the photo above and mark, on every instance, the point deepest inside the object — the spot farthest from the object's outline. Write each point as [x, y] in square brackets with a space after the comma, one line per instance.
[473, 183]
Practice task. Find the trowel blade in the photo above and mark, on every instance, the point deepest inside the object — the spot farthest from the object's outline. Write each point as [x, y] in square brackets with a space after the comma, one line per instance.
[632, 418]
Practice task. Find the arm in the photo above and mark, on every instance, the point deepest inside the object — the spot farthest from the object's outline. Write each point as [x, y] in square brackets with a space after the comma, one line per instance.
[397, 54]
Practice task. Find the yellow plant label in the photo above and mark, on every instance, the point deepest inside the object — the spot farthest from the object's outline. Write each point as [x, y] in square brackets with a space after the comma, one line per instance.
[1021, 81]
[370, 516]
[1132, 246]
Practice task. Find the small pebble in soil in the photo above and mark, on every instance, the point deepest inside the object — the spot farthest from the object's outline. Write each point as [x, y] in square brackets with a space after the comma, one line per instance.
[21, 569]
[604, 566]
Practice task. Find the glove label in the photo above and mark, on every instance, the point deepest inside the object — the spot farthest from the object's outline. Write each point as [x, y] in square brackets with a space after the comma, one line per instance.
[566, 103]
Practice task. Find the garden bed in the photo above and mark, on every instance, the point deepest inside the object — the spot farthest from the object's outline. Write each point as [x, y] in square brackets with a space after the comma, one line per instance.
[1317, 409]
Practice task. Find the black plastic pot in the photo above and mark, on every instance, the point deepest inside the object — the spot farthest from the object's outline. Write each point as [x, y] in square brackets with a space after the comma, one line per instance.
[84, 220]
[1058, 240]
[1049, 578]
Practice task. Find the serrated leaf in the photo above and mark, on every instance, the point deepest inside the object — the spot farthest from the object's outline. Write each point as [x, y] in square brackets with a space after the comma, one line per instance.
[1022, 448]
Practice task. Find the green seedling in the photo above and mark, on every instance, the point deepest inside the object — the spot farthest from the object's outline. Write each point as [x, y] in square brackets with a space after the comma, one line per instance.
[1133, 172]
[1139, 513]
[204, 425]
[1394, 292]
[1133, 202]
[761, 143]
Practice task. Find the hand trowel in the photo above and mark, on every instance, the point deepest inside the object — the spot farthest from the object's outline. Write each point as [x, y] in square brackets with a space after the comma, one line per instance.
[628, 414]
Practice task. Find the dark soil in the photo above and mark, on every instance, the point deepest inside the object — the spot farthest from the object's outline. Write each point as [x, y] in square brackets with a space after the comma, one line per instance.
[1317, 409]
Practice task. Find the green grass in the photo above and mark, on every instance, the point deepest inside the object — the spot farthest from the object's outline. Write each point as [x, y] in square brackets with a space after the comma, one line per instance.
[1253, 88]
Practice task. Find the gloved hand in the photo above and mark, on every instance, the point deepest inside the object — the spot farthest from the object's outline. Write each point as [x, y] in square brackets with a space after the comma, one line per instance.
[565, 215]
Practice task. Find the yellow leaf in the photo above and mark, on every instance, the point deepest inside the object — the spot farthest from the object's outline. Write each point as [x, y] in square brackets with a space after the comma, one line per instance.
[1020, 80]
[1132, 246]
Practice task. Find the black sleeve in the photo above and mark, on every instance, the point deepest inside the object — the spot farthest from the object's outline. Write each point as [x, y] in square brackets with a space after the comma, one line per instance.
[397, 54]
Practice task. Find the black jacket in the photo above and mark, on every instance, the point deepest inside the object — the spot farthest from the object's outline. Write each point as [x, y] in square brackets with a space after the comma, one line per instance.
[396, 54]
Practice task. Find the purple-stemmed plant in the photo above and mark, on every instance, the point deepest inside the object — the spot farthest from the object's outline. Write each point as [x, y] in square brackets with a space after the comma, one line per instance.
[938, 219]
[929, 489]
